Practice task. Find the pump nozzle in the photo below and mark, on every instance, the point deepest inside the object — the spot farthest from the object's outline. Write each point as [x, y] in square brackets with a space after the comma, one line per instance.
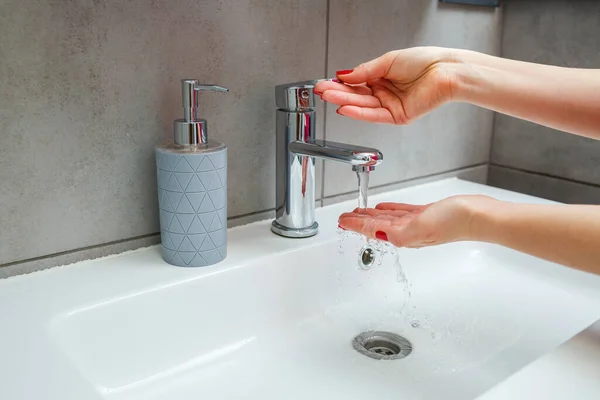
[190, 130]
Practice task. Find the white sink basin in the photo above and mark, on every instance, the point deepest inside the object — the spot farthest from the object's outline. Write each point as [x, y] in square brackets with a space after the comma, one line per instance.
[277, 318]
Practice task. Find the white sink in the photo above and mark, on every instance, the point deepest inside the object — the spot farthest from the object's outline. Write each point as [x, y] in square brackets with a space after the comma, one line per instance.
[277, 318]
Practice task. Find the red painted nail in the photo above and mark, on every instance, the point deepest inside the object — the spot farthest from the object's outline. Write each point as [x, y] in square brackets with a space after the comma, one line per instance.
[344, 72]
[336, 80]
[381, 235]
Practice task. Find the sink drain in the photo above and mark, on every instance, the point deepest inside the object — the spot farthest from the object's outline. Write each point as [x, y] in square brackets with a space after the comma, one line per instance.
[382, 345]
[366, 257]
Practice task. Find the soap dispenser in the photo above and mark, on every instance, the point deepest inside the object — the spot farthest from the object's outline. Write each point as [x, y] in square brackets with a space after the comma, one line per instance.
[192, 188]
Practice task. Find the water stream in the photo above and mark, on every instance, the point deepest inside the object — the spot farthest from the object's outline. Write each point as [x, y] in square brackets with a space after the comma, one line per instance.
[382, 249]
[363, 188]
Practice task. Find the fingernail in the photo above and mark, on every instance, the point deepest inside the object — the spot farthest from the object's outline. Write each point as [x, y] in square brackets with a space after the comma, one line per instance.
[344, 72]
[337, 111]
[381, 235]
[341, 227]
[336, 80]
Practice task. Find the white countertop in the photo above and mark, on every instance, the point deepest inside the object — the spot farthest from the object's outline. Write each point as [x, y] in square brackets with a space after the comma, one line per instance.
[572, 371]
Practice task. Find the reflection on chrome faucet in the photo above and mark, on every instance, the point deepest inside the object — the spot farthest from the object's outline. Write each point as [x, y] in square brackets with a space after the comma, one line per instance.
[297, 150]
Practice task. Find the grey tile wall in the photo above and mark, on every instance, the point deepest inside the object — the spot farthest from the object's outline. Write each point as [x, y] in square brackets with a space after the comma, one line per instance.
[543, 186]
[87, 88]
[454, 136]
[558, 32]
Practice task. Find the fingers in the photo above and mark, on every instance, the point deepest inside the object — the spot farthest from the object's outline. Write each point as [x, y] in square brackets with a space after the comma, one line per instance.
[342, 98]
[371, 70]
[399, 207]
[376, 115]
[401, 232]
[323, 86]
[374, 212]
[365, 225]
[394, 219]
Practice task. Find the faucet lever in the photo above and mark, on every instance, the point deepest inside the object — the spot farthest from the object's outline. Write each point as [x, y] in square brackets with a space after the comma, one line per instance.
[296, 97]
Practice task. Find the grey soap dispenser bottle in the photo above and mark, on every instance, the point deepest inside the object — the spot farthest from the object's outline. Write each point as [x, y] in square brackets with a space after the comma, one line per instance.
[192, 188]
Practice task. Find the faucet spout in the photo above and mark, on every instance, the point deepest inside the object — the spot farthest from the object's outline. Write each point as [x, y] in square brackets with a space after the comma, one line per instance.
[359, 157]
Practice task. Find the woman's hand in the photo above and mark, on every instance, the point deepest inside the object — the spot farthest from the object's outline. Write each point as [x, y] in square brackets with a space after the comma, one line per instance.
[406, 225]
[565, 234]
[396, 88]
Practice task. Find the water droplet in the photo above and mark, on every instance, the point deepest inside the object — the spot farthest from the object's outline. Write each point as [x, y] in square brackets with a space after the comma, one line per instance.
[415, 324]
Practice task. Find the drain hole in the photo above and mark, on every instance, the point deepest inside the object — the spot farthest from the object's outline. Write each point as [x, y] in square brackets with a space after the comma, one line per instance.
[366, 257]
[382, 345]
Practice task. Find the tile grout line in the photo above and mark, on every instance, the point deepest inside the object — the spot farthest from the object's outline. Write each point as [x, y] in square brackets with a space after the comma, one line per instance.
[545, 175]
[491, 152]
[250, 214]
[495, 114]
[79, 249]
[323, 166]
[112, 243]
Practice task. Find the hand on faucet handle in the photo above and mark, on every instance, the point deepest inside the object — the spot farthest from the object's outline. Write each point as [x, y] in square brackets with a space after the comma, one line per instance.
[396, 88]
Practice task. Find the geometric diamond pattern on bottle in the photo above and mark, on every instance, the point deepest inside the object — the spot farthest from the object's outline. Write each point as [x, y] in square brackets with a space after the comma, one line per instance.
[192, 201]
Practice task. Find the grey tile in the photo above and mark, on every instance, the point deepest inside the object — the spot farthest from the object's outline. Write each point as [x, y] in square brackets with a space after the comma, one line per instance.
[53, 260]
[543, 186]
[89, 88]
[455, 136]
[70, 257]
[532, 147]
[564, 33]
[250, 218]
[561, 32]
[478, 174]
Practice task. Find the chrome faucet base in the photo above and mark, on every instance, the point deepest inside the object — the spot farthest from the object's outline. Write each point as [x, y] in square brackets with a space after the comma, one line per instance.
[284, 231]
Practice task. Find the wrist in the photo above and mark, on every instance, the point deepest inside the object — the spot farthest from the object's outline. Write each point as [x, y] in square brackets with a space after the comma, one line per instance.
[485, 223]
[467, 69]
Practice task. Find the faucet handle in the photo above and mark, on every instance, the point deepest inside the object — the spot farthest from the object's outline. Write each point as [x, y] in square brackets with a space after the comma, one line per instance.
[297, 96]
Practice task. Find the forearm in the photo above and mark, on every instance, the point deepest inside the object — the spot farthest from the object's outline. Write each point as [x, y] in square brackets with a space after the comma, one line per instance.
[567, 99]
[566, 234]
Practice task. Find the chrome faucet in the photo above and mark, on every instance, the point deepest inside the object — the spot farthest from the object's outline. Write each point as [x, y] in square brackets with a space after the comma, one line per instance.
[297, 150]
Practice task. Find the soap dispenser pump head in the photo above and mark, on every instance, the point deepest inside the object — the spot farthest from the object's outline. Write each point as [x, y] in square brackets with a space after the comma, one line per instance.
[191, 131]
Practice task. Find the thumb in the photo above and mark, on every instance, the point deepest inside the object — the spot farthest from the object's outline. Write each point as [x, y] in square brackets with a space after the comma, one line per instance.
[371, 70]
